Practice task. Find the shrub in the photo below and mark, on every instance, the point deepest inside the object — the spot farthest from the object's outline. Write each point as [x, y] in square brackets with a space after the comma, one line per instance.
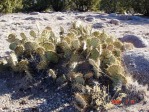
[111, 6]
[141, 6]
[60, 5]
[35, 5]
[86, 5]
[10, 6]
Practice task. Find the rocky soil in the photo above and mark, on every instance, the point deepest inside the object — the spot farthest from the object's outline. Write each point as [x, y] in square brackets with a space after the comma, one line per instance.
[43, 96]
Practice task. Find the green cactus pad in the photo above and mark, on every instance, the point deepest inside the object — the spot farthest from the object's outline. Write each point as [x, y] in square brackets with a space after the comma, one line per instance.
[31, 46]
[118, 44]
[106, 53]
[40, 51]
[95, 54]
[13, 46]
[76, 44]
[51, 56]
[115, 70]
[117, 52]
[22, 65]
[103, 37]
[32, 33]
[23, 36]
[11, 37]
[49, 46]
[110, 40]
[96, 33]
[95, 42]
[42, 65]
[19, 50]
[61, 80]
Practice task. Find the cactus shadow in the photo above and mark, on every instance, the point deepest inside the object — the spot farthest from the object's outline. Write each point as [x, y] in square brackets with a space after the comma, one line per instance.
[41, 88]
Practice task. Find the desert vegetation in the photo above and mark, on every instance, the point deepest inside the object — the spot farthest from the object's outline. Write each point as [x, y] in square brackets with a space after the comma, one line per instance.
[83, 57]
[120, 6]
[88, 61]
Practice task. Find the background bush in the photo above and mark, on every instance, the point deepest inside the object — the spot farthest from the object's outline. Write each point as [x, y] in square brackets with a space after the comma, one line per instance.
[139, 6]
[60, 5]
[10, 6]
[109, 6]
[35, 5]
[86, 5]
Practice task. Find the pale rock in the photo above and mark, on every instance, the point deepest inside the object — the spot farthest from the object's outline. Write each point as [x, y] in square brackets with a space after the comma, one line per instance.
[60, 18]
[114, 21]
[137, 41]
[98, 25]
[32, 18]
[90, 19]
[34, 13]
[113, 14]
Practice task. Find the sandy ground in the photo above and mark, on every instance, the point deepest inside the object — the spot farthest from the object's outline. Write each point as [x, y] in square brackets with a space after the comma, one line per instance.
[43, 97]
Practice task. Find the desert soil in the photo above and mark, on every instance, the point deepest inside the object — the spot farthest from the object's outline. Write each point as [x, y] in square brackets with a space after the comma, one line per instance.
[43, 96]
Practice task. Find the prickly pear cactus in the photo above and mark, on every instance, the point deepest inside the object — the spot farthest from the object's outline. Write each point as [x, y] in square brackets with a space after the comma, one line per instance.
[85, 57]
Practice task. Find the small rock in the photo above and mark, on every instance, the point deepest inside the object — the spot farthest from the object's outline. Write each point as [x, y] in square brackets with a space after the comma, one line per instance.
[90, 19]
[32, 18]
[113, 14]
[80, 17]
[60, 18]
[3, 20]
[98, 25]
[104, 19]
[137, 41]
[28, 27]
[5, 108]
[34, 13]
[46, 19]
[114, 21]
[137, 64]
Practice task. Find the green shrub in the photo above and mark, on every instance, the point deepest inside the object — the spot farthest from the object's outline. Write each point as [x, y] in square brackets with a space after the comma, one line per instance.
[86, 5]
[141, 6]
[120, 6]
[60, 5]
[10, 6]
[38, 5]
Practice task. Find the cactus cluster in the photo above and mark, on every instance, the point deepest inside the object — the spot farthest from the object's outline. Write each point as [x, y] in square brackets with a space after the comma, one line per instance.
[81, 57]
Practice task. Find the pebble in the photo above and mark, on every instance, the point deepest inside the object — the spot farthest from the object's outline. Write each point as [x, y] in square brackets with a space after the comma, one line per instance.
[90, 19]
[34, 13]
[60, 18]
[114, 21]
[32, 18]
[113, 14]
[98, 25]
[80, 17]
[3, 20]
